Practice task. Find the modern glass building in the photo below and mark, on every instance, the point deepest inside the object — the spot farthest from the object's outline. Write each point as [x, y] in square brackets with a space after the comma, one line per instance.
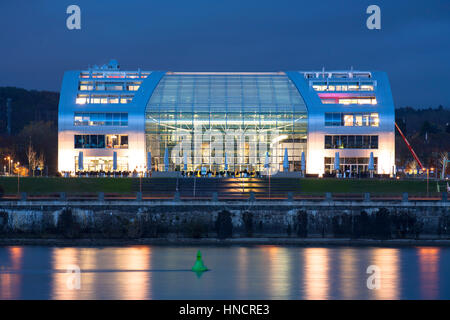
[208, 116]
[172, 121]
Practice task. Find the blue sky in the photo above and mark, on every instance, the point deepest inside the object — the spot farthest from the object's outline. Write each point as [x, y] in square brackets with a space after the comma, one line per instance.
[413, 45]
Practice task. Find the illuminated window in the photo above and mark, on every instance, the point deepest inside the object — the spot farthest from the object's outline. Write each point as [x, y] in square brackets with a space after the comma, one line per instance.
[102, 99]
[320, 88]
[348, 120]
[350, 165]
[89, 141]
[358, 120]
[97, 141]
[374, 119]
[353, 86]
[351, 142]
[358, 100]
[85, 85]
[351, 119]
[103, 163]
[366, 119]
[341, 88]
[78, 119]
[117, 141]
[82, 99]
[126, 99]
[114, 87]
[347, 101]
[366, 87]
[100, 119]
[113, 75]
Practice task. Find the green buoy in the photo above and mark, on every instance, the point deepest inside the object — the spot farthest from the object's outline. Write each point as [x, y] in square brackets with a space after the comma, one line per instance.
[199, 266]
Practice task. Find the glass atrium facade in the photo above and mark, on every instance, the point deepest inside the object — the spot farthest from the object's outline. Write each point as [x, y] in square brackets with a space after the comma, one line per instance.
[224, 121]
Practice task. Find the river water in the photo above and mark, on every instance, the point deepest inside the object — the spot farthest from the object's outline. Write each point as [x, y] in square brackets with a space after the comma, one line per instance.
[237, 272]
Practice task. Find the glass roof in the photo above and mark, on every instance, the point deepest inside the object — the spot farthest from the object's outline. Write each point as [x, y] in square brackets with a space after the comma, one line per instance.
[226, 93]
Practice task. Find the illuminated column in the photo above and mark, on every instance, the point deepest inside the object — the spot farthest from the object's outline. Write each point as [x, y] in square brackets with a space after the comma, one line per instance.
[215, 139]
[252, 146]
[229, 148]
[274, 151]
[262, 138]
[183, 147]
[197, 145]
[240, 145]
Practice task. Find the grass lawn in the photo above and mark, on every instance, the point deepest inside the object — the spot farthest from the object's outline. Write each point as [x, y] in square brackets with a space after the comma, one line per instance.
[365, 185]
[75, 185]
[128, 185]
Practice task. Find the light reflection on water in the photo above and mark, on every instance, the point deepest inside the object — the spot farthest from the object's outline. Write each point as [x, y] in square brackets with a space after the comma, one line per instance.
[237, 272]
[347, 262]
[10, 283]
[316, 279]
[387, 259]
[123, 270]
[429, 272]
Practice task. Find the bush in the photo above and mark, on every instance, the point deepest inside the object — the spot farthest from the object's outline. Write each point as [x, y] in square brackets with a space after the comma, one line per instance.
[196, 228]
[247, 218]
[67, 225]
[342, 225]
[361, 225]
[114, 226]
[134, 229]
[3, 221]
[302, 224]
[382, 225]
[444, 226]
[405, 224]
[224, 226]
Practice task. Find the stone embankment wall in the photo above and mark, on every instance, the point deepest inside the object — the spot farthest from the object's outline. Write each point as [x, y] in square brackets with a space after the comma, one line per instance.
[217, 219]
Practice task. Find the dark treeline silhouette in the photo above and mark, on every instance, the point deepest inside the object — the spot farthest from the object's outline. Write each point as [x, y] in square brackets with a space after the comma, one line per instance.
[34, 121]
[428, 132]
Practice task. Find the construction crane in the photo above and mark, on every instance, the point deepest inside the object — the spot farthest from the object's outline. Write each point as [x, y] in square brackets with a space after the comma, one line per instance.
[410, 148]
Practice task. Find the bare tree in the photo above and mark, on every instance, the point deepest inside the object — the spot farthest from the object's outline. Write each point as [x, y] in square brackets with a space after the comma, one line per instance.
[412, 165]
[443, 160]
[41, 162]
[32, 158]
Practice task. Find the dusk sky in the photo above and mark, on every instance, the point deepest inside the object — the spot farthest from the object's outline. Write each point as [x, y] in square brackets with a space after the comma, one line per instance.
[413, 45]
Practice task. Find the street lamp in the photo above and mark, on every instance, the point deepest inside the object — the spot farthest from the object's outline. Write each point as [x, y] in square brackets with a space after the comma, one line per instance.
[18, 178]
[4, 167]
[9, 163]
[6, 159]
